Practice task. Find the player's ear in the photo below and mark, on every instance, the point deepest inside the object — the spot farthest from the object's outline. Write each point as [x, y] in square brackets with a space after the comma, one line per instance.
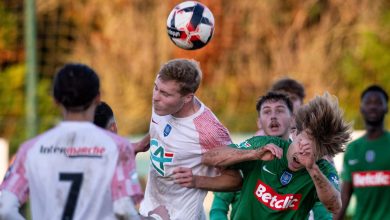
[114, 128]
[258, 122]
[97, 99]
[56, 102]
[188, 98]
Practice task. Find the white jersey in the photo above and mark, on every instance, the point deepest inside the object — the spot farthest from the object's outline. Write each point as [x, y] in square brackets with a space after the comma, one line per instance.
[180, 142]
[74, 171]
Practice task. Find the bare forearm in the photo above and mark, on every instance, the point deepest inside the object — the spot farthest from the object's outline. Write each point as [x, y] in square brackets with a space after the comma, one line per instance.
[142, 145]
[226, 156]
[327, 194]
[346, 192]
[229, 180]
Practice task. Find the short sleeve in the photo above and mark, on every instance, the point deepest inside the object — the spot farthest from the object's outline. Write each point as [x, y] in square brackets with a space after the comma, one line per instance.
[125, 180]
[330, 173]
[15, 180]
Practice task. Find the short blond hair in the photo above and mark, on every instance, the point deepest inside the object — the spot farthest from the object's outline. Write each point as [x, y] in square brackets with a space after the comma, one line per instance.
[186, 72]
[323, 120]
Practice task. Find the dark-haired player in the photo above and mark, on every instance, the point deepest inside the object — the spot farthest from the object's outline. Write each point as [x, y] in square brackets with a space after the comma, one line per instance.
[75, 170]
[104, 117]
[366, 169]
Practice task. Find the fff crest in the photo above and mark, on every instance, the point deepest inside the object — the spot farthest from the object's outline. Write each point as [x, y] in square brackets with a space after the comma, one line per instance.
[167, 130]
[285, 178]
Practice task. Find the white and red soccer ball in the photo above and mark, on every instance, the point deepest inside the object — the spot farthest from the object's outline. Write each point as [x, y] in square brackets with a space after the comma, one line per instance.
[190, 25]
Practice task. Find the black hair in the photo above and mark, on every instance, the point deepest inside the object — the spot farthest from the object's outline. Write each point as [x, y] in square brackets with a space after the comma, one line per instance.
[274, 96]
[375, 88]
[75, 86]
[103, 114]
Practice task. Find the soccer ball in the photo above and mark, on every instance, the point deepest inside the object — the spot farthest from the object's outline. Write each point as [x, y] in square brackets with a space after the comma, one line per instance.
[190, 25]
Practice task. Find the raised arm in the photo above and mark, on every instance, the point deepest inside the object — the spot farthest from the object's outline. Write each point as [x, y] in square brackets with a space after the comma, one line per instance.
[326, 192]
[226, 156]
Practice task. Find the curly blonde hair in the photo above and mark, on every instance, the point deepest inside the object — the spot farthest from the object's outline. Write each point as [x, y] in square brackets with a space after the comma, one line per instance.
[323, 120]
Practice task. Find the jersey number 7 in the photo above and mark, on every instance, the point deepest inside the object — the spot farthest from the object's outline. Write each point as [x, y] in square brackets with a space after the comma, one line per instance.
[71, 201]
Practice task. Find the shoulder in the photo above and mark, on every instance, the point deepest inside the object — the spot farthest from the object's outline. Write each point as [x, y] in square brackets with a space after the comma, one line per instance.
[206, 115]
[122, 144]
[326, 167]
[351, 147]
[260, 141]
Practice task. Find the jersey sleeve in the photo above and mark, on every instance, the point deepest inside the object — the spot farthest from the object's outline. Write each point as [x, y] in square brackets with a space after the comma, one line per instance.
[211, 132]
[253, 143]
[220, 206]
[330, 172]
[125, 180]
[15, 180]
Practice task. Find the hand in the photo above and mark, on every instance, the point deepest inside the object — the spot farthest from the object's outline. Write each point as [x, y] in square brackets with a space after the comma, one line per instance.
[141, 147]
[159, 213]
[184, 177]
[306, 156]
[269, 152]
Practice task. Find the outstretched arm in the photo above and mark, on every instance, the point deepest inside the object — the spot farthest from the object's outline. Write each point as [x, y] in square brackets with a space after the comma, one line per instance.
[346, 192]
[226, 156]
[142, 145]
[229, 180]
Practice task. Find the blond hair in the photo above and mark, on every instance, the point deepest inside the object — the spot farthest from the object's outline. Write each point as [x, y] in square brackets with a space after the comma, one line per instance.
[186, 72]
[323, 120]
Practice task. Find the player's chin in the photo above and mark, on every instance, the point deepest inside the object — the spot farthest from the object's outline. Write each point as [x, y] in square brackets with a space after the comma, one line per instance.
[160, 111]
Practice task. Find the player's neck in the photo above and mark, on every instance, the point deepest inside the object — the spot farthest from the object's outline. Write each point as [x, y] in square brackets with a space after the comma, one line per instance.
[188, 109]
[374, 132]
[86, 115]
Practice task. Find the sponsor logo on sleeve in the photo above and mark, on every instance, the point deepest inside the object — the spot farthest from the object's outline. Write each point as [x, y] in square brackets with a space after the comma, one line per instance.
[244, 144]
[334, 179]
[371, 178]
[275, 201]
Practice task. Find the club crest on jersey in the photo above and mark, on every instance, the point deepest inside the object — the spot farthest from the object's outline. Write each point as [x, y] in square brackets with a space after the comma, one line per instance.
[370, 156]
[159, 157]
[285, 178]
[167, 130]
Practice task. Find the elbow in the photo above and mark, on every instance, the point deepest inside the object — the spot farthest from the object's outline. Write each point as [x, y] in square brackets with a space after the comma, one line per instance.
[238, 184]
[335, 205]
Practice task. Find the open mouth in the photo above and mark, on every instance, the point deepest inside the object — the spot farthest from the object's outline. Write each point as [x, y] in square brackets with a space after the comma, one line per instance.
[274, 125]
[295, 159]
[295, 164]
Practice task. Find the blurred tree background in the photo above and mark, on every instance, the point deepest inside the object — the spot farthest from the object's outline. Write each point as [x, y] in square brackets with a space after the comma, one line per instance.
[340, 46]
